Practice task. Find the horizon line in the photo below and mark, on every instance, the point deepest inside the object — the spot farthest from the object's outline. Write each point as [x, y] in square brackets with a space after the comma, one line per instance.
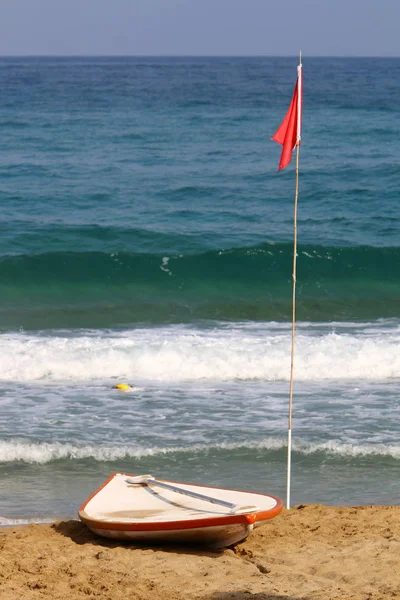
[77, 55]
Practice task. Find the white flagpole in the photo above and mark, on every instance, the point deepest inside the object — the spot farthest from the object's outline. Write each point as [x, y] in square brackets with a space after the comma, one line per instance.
[299, 112]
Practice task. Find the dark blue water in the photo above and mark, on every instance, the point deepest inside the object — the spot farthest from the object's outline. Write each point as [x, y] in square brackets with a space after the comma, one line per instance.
[145, 236]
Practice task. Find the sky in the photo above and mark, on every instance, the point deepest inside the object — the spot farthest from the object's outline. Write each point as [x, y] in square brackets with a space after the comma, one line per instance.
[200, 27]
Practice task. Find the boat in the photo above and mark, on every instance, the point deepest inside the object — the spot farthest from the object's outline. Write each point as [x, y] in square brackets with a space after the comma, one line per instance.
[144, 509]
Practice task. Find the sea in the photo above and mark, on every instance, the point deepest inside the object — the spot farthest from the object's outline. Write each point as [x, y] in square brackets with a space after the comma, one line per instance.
[146, 238]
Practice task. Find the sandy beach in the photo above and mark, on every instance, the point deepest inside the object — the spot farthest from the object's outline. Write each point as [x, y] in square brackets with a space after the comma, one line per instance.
[310, 552]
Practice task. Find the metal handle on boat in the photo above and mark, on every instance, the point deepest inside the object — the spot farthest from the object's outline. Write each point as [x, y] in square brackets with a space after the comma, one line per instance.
[150, 480]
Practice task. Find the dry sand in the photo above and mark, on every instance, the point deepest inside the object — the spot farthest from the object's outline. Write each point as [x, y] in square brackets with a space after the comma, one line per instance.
[310, 552]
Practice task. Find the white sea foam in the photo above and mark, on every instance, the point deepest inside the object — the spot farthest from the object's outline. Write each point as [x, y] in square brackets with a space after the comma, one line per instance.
[177, 353]
[42, 453]
[10, 522]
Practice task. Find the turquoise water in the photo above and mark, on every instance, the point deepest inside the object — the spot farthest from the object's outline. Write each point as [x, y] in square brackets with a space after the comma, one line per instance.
[146, 237]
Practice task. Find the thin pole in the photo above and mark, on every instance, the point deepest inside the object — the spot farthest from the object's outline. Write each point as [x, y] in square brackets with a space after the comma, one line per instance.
[296, 196]
[289, 456]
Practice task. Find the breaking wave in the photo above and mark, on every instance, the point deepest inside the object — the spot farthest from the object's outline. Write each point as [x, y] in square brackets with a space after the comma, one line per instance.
[42, 453]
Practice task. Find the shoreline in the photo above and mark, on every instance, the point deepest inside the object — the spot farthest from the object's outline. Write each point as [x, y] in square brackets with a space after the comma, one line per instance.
[310, 552]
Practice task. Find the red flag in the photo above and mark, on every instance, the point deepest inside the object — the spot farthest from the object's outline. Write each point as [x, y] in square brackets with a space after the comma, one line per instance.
[289, 132]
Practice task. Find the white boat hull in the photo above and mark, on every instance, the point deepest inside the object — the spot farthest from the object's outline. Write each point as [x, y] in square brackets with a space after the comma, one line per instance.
[213, 537]
[184, 513]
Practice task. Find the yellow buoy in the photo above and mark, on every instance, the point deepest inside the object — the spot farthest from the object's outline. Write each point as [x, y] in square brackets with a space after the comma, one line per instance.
[122, 386]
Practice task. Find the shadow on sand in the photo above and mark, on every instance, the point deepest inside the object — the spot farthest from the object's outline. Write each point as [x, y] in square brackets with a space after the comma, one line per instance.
[80, 534]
